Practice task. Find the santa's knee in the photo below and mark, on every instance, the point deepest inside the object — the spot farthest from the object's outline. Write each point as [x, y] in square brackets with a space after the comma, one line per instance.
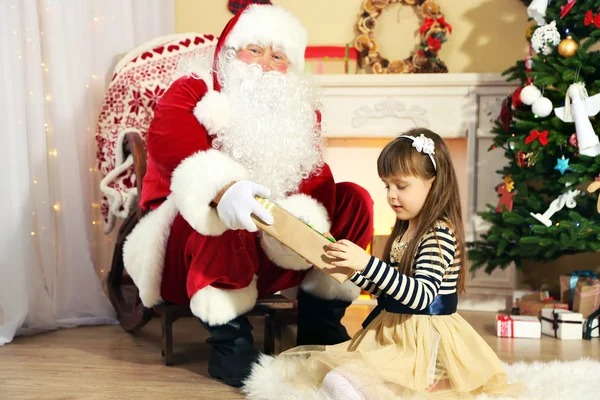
[215, 306]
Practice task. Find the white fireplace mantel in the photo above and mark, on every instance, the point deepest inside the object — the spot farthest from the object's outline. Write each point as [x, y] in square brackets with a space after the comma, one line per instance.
[456, 106]
[380, 106]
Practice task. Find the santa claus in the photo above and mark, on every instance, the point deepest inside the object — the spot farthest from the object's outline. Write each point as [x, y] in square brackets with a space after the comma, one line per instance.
[250, 127]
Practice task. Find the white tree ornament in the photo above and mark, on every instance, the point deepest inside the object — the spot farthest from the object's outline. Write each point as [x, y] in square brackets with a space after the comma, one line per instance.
[579, 108]
[545, 38]
[565, 199]
[537, 11]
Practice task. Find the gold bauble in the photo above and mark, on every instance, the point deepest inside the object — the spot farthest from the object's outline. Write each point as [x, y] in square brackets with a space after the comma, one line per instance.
[529, 32]
[568, 47]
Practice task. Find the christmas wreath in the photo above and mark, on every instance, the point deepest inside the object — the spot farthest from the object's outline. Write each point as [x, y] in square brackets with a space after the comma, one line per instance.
[423, 59]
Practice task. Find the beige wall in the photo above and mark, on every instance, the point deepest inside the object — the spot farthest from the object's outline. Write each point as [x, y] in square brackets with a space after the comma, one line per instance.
[488, 35]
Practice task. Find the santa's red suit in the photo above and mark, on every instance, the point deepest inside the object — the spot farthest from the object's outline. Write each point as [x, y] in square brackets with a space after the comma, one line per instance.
[182, 252]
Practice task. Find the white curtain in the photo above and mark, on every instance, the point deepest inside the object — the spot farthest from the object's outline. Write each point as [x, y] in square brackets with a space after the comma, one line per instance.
[56, 61]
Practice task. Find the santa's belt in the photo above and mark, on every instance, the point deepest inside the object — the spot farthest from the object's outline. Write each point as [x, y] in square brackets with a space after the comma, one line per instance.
[443, 304]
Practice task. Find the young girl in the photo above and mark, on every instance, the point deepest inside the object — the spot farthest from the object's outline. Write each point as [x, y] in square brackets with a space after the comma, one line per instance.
[414, 342]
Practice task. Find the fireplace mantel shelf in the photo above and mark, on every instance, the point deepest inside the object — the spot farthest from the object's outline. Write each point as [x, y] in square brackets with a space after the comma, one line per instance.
[381, 106]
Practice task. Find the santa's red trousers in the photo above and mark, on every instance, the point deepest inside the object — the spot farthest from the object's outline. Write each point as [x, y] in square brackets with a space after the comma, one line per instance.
[230, 261]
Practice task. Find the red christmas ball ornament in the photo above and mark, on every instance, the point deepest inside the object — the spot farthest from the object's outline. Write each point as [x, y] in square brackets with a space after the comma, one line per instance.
[573, 140]
[516, 99]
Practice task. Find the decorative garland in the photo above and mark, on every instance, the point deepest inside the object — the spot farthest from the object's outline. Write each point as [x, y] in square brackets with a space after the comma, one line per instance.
[423, 59]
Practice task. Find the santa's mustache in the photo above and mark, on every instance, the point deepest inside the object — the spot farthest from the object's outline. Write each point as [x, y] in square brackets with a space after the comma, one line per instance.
[273, 130]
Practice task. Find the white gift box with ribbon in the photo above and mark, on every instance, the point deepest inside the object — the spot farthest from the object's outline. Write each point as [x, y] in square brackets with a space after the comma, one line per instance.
[562, 324]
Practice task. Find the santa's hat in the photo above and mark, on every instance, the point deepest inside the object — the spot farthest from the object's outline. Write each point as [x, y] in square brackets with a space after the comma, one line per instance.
[264, 24]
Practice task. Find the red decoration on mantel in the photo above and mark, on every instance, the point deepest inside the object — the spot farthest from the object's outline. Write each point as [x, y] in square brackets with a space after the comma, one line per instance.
[331, 52]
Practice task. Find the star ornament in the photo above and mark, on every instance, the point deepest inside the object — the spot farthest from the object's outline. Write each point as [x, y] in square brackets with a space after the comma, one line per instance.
[562, 165]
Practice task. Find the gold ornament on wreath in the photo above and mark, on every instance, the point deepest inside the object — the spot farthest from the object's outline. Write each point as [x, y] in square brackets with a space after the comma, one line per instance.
[424, 59]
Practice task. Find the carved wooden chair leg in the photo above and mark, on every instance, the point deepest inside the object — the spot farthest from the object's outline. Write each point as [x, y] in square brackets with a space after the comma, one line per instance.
[167, 337]
[277, 342]
[589, 323]
[269, 338]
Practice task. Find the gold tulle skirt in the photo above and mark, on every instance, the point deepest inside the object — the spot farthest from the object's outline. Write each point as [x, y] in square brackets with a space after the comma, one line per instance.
[404, 356]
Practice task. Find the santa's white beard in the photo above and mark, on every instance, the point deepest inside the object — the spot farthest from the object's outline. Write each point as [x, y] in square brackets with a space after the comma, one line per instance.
[273, 130]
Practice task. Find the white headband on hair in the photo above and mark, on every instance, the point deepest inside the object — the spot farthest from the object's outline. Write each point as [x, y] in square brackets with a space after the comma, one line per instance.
[423, 144]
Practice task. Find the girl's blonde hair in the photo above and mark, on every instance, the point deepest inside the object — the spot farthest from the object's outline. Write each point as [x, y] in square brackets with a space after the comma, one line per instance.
[399, 157]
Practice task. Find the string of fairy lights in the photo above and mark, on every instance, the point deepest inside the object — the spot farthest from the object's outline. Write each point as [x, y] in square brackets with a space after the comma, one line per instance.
[53, 154]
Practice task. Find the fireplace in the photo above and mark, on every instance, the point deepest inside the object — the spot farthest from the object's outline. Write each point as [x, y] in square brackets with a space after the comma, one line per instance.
[361, 113]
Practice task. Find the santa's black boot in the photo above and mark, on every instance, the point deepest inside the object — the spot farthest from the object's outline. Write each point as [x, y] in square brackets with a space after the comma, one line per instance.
[320, 320]
[232, 351]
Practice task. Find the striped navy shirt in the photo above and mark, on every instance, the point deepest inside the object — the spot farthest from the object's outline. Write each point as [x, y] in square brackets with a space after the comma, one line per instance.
[434, 272]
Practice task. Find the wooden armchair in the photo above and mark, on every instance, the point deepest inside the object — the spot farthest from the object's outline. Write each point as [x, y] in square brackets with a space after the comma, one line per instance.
[277, 310]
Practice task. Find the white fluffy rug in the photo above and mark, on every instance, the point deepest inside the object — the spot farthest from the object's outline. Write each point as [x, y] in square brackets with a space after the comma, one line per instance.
[557, 380]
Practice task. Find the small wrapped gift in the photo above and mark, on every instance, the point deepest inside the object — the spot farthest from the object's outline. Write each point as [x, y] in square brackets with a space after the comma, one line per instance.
[301, 238]
[532, 304]
[568, 283]
[587, 297]
[518, 326]
[562, 324]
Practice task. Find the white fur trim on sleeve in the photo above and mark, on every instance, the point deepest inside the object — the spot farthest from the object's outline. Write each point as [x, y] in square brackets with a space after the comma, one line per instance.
[219, 306]
[318, 283]
[299, 205]
[196, 182]
[213, 111]
[303, 205]
[144, 251]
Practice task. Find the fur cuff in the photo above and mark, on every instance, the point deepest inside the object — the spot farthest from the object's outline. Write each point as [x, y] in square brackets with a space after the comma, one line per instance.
[303, 205]
[299, 205]
[144, 251]
[219, 306]
[196, 182]
[213, 112]
[318, 283]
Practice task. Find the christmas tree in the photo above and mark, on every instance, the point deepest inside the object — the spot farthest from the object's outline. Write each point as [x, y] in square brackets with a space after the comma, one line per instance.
[547, 206]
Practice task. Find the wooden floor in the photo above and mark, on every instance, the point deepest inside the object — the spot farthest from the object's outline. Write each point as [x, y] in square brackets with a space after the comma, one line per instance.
[107, 363]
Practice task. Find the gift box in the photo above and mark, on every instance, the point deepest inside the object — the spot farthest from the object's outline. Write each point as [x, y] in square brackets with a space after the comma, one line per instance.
[562, 324]
[532, 304]
[301, 238]
[518, 326]
[325, 60]
[595, 327]
[587, 296]
[568, 283]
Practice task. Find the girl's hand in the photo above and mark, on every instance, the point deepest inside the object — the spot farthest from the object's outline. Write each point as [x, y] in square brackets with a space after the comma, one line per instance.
[350, 255]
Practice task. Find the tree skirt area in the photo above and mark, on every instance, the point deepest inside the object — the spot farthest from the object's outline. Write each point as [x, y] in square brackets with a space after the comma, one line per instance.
[577, 380]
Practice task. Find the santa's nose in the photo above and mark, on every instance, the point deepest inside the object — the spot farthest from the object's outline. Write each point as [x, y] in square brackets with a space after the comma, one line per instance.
[265, 64]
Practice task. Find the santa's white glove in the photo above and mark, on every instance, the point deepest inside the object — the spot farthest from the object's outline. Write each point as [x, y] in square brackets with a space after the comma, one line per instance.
[238, 203]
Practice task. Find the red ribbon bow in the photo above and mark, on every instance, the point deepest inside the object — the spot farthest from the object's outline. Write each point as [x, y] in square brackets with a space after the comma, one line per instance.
[590, 19]
[543, 137]
[428, 23]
